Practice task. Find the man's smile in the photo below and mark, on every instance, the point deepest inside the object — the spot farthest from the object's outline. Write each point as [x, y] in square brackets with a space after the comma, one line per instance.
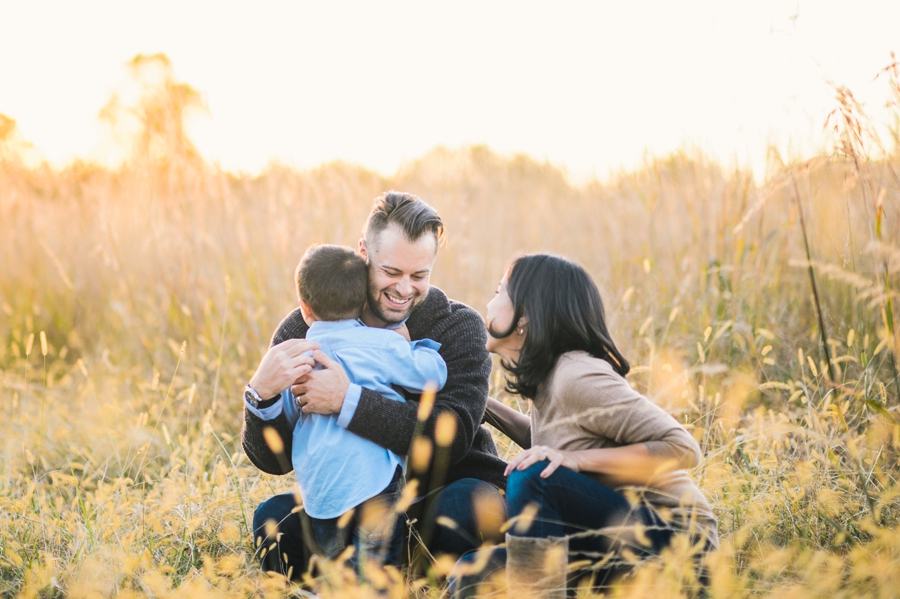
[397, 300]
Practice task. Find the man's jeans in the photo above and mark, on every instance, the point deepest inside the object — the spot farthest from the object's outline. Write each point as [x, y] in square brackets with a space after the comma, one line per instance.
[294, 541]
[375, 531]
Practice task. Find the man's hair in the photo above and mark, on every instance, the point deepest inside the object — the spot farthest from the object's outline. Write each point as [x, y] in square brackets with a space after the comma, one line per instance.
[332, 279]
[414, 216]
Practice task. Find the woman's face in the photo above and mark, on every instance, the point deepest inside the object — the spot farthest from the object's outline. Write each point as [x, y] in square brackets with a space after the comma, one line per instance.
[499, 319]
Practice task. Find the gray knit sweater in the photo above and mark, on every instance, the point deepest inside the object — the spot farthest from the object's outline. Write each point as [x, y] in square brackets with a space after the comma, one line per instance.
[461, 332]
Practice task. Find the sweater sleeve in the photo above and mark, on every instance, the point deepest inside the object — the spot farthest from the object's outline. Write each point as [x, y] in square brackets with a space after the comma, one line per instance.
[391, 424]
[254, 443]
[612, 409]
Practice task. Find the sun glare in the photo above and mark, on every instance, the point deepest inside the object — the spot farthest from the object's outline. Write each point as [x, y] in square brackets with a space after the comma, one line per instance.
[591, 87]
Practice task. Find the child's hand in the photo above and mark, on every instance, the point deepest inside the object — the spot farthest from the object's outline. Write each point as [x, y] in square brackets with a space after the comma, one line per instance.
[403, 331]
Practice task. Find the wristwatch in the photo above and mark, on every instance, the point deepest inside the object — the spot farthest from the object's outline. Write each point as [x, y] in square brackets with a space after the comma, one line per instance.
[255, 400]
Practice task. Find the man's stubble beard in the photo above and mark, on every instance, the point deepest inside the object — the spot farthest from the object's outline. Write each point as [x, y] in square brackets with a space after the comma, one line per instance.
[373, 298]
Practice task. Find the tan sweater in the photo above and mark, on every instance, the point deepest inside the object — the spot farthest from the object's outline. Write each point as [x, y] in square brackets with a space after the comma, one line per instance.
[585, 404]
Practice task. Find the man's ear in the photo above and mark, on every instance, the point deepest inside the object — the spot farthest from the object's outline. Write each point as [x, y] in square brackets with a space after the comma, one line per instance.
[362, 248]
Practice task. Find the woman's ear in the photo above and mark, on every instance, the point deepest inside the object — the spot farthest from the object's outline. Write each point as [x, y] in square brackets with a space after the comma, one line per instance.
[522, 325]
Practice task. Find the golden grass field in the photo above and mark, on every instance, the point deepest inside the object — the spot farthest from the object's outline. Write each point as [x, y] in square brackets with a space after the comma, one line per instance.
[136, 302]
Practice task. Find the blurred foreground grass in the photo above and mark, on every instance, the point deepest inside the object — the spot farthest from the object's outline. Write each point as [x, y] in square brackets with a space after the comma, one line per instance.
[135, 303]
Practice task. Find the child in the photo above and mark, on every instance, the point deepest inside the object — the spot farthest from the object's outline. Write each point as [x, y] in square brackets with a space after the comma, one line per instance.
[339, 471]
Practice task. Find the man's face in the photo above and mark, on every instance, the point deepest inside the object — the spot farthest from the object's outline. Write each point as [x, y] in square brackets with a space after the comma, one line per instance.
[399, 271]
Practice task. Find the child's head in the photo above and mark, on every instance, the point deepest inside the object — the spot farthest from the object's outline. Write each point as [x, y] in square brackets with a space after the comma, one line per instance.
[331, 281]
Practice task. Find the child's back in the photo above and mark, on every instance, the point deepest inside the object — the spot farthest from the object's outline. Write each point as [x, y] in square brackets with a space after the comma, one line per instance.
[337, 470]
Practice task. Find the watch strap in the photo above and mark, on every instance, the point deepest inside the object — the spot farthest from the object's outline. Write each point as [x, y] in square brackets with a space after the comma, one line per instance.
[258, 402]
[268, 403]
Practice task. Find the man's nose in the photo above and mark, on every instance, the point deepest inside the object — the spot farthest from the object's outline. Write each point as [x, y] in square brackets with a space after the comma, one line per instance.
[404, 286]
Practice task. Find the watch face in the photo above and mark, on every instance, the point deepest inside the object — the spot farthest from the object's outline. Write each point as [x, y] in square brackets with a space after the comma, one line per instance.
[251, 398]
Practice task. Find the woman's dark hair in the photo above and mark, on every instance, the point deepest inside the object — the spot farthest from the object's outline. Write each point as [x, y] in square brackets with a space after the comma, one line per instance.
[564, 312]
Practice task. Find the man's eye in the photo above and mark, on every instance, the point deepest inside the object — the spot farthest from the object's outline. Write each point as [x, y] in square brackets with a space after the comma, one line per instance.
[418, 277]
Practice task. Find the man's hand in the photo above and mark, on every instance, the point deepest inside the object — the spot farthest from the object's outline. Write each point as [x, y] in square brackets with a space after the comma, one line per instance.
[282, 365]
[322, 391]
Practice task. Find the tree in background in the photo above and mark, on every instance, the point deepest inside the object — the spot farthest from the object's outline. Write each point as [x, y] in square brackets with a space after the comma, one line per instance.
[13, 147]
[151, 127]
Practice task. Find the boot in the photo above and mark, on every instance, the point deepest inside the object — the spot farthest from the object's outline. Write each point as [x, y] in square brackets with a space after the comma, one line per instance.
[536, 567]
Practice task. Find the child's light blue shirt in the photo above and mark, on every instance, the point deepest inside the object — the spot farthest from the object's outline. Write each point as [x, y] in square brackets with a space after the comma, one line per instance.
[338, 470]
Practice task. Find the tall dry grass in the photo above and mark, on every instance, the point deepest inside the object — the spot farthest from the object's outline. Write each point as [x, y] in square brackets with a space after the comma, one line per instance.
[136, 303]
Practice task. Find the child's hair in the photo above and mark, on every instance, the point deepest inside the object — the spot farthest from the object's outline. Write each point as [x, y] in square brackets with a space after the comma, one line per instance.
[332, 280]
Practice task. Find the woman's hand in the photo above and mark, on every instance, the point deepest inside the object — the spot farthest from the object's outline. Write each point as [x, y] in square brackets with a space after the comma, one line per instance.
[624, 465]
[540, 453]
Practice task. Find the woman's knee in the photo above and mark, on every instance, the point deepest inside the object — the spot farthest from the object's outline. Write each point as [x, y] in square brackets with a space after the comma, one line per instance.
[526, 485]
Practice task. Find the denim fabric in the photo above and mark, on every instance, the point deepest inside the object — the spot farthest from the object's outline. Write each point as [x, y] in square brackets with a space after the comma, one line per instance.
[598, 520]
[299, 536]
[288, 550]
[600, 523]
[374, 529]
[474, 570]
[295, 540]
[461, 502]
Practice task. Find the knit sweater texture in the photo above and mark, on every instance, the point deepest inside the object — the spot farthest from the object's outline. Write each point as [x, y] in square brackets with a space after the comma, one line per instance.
[391, 424]
[585, 404]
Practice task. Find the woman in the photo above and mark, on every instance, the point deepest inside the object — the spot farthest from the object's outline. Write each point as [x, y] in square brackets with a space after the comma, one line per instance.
[603, 473]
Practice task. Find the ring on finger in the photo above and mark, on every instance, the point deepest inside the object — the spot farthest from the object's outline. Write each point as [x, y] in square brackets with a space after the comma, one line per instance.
[546, 455]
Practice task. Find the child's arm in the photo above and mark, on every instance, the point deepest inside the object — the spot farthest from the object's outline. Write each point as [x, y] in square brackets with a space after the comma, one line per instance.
[413, 365]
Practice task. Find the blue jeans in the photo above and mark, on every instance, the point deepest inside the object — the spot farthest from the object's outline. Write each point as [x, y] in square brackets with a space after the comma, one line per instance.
[294, 539]
[599, 521]
[601, 525]
[463, 516]
[375, 530]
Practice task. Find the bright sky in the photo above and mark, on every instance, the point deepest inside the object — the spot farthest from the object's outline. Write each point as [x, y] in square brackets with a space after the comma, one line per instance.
[592, 86]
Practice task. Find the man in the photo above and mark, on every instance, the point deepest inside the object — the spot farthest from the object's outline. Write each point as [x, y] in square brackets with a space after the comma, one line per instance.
[399, 245]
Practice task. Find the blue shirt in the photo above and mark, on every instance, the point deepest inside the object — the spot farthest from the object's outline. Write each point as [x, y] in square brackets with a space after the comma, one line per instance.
[336, 469]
